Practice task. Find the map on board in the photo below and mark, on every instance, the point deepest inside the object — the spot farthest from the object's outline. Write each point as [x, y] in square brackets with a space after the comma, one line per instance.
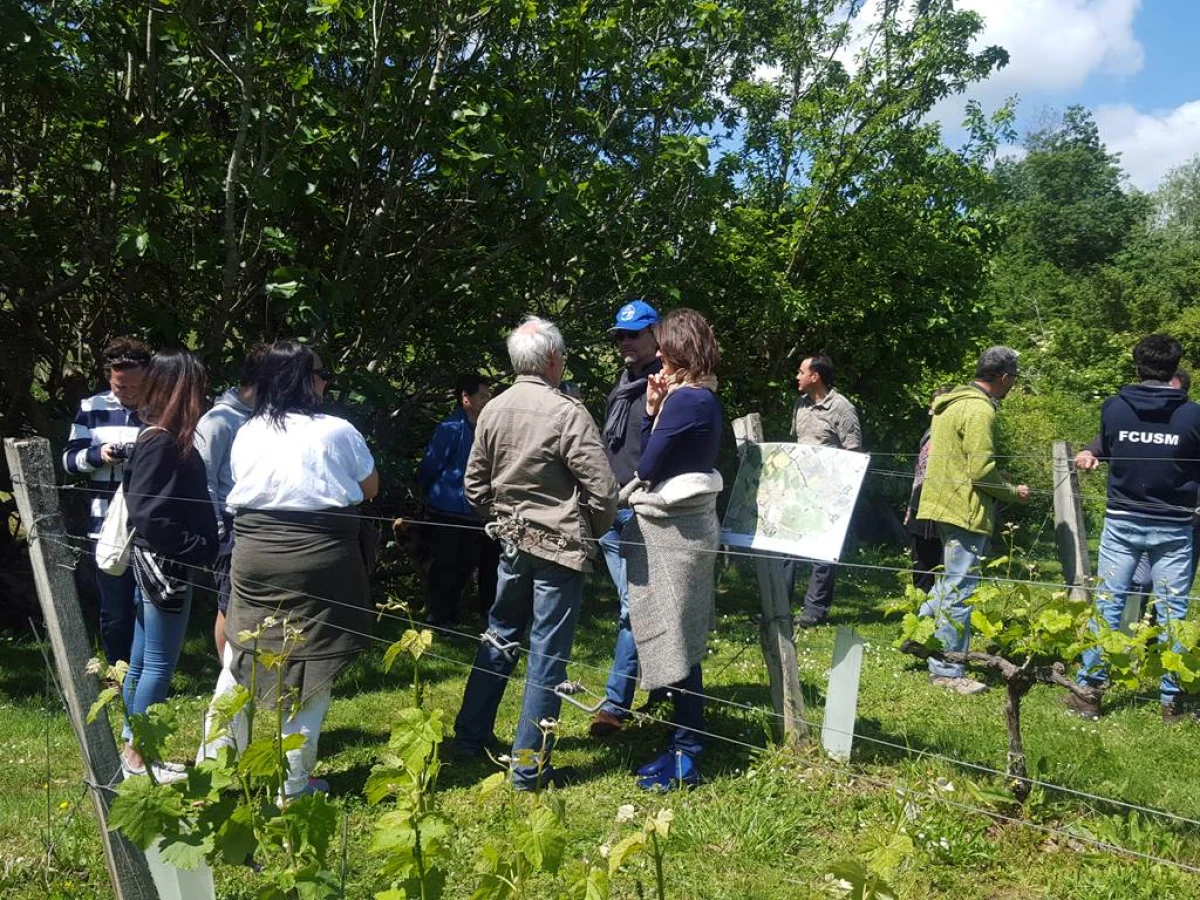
[794, 498]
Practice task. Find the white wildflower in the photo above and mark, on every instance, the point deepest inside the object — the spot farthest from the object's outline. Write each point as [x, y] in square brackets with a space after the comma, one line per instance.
[626, 813]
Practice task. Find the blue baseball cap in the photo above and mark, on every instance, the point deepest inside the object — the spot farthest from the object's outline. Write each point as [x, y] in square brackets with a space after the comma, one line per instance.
[634, 316]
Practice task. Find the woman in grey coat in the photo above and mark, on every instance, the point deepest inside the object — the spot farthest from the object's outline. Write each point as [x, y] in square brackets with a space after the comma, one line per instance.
[670, 544]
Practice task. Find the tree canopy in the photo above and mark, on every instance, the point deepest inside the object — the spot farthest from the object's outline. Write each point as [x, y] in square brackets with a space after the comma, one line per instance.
[399, 183]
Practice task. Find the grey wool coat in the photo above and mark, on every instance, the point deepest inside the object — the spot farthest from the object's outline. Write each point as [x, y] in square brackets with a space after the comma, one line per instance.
[669, 548]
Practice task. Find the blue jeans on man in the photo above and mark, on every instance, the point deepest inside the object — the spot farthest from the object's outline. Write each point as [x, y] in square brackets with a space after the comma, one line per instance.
[962, 552]
[542, 598]
[622, 677]
[1122, 544]
[118, 613]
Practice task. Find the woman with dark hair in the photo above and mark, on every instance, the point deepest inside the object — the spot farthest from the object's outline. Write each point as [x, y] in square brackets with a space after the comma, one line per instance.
[175, 534]
[670, 545]
[298, 478]
[926, 543]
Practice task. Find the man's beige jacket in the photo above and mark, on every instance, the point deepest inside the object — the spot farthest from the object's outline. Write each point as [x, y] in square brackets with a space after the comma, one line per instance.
[538, 458]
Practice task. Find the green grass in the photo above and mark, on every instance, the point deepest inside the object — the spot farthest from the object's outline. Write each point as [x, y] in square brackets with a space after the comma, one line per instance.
[762, 826]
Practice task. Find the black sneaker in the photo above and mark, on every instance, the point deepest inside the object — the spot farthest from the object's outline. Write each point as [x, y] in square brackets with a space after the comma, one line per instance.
[462, 751]
[808, 621]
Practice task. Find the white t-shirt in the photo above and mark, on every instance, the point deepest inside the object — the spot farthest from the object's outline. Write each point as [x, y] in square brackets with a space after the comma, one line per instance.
[313, 462]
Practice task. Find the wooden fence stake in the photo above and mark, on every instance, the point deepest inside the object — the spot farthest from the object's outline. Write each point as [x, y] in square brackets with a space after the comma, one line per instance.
[32, 470]
[775, 630]
[1070, 530]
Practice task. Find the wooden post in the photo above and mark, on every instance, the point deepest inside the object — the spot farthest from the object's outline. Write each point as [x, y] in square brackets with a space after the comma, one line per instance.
[1070, 532]
[32, 470]
[775, 630]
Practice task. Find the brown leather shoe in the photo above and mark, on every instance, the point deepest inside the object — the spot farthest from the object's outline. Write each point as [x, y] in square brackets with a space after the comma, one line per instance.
[1173, 713]
[1081, 706]
[604, 725]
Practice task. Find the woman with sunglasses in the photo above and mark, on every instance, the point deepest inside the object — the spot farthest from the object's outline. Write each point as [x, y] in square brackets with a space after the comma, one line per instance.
[299, 476]
[670, 545]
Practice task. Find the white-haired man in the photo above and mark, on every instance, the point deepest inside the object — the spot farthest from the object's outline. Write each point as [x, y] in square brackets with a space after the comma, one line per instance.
[537, 472]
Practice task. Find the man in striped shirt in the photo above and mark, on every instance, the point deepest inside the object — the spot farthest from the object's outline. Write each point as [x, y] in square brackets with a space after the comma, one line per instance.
[101, 436]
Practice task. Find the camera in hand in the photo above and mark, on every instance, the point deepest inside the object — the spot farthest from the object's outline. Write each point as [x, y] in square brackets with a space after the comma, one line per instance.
[121, 451]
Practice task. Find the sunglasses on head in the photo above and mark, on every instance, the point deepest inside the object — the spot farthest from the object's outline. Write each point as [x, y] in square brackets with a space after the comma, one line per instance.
[129, 361]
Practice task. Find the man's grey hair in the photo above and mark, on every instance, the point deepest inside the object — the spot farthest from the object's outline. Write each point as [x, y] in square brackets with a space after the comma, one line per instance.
[996, 361]
[531, 345]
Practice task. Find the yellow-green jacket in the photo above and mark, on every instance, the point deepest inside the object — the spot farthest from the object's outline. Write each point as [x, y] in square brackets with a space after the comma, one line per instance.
[961, 482]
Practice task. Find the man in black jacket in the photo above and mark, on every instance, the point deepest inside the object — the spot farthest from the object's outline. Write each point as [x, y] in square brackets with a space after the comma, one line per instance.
[1150, 436]
[633, 333]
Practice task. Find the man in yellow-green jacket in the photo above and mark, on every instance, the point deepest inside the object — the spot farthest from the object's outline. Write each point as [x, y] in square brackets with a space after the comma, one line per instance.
[960, 490]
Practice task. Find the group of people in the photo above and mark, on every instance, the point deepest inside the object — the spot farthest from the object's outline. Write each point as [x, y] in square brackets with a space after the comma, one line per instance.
[526, 489]
[260, 491]
[552, 488]
[1150, 439]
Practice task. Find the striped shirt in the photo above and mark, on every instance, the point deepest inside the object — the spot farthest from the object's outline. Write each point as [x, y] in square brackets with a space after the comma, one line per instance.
[101, 420]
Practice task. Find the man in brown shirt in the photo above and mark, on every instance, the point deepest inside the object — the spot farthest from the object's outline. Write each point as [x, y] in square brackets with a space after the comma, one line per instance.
[538, 474]
[821, 416]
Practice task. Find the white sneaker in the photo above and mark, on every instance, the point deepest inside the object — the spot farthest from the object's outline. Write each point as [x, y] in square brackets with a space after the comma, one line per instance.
[960, 685]
[164, 773]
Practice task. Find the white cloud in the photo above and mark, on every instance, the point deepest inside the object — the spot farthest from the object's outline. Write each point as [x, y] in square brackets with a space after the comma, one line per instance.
[1150, 143]
[1054, 45]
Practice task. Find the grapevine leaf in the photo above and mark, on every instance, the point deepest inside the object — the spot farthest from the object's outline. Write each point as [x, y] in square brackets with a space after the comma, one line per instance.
[624, 849]
[491, 784]
[186, 850]
[235, 837]
[144, 811]
[313, 820]
[542, 840]
[385, 781]
[106, 697]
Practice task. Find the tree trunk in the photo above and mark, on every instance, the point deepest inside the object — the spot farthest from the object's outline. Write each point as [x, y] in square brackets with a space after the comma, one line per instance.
[1015, 689]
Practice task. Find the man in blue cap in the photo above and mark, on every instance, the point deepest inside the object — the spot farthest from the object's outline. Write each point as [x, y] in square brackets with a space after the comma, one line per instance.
[633, 334]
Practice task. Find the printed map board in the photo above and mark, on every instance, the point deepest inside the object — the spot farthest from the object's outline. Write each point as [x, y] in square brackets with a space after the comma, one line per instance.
[794, 498]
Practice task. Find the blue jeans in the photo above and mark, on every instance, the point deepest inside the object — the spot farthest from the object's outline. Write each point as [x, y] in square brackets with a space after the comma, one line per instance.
[962, 552]
[622, 678]
[157, 641]
[117, 613]
[543, 598]
[688, 716]
[1122, 544]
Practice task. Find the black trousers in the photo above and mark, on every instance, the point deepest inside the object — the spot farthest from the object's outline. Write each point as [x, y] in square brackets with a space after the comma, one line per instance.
[459, 548]
[818, 598]
[926, 556]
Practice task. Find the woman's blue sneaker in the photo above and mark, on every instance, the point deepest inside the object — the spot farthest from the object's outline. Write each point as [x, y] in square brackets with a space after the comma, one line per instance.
[658, 764]
[680, 772]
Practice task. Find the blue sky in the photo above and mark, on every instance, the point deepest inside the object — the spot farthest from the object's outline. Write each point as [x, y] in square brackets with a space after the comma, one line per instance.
[1168, 30]
[1135, 63]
